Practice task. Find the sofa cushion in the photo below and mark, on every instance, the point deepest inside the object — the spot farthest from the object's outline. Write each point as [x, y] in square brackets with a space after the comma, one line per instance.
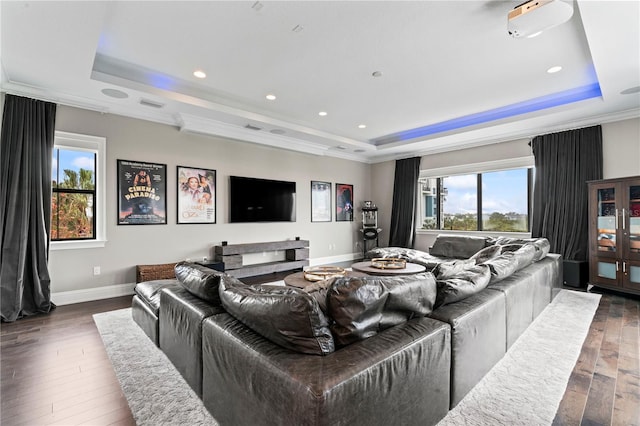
[149, 292]
[363, 306]
[485, 254]
[448, 269]
[463, 284]
[288, 316]
[458, 246]
[199, 280]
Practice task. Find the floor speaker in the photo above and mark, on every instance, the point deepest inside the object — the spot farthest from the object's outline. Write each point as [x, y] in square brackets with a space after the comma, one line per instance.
[575, 273]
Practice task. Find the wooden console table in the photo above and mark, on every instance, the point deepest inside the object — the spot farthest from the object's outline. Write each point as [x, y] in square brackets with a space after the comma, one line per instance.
[296, 257]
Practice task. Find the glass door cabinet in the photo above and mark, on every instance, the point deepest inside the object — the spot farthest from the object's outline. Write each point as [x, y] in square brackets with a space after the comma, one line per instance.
[614, 234]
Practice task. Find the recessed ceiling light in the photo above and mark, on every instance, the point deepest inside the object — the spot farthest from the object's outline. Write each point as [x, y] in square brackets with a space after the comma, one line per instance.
[376, 74]
[115, 93]
[297, 28]
[322, 113]
[630, 90]
[257, 6]
[554, 70]
[271, 97]
[200, 74]
[362, 126]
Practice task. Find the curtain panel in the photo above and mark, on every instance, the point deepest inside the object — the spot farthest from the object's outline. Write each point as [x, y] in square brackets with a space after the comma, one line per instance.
[403, 209]
[28, 128]
[565, 162]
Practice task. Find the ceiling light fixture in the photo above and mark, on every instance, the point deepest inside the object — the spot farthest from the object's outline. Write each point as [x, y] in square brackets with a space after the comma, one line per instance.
[322, 113]
[376, 74]
[362, 126]
[554, 70]
[297, 28]
[199, 74]
[630, 90]
[115, 93]
[271, 97]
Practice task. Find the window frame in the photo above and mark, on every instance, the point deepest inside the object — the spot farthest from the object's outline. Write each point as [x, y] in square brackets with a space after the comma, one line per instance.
[479, 168]
[97, 145]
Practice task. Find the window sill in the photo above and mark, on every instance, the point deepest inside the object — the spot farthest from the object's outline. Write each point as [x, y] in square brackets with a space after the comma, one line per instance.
[479, 233]
[75, 245]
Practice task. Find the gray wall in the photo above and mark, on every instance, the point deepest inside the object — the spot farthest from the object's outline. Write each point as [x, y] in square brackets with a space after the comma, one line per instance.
[621, 151]
[127, 246]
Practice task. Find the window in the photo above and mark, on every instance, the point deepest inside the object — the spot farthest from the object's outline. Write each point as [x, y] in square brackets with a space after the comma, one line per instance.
[497, 201]
[73, 195]
[77, 198]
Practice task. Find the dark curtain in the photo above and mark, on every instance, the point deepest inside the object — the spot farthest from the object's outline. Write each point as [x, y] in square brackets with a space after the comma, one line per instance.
[564, 162]
[25, 206]
[403, 210]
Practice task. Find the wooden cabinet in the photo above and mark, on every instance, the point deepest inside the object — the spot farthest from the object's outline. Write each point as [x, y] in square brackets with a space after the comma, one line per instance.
[614, 234]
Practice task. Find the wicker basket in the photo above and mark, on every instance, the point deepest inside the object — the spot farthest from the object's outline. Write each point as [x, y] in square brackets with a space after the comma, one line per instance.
[155, 272]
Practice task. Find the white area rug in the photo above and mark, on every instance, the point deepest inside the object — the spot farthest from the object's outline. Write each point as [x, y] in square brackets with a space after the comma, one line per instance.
[524, 388]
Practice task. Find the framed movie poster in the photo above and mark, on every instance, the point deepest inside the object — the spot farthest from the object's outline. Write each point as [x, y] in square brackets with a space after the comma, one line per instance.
[196, 195]
[142, 193]
[344, 202]
[320, 201]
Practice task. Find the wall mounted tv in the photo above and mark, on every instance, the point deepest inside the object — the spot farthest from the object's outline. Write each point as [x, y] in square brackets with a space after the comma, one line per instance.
[261, 200]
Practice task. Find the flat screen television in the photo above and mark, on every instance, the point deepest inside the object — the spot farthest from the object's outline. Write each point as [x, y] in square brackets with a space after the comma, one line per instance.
[261, 200]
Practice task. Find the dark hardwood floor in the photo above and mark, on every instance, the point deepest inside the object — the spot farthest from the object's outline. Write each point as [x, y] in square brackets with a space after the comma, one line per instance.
[55, 370]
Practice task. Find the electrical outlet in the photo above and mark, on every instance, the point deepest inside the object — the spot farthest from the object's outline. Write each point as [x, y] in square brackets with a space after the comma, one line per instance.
[96, 270]
[205, 259]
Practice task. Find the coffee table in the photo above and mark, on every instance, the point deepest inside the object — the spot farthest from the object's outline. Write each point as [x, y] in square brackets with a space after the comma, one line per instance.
[411, 268]
[298, 280]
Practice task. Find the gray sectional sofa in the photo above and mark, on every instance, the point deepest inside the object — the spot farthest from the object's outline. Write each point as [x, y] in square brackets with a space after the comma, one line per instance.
[370, 350]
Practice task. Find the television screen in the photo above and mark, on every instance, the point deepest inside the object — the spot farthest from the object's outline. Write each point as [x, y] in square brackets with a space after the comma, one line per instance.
[261, 200]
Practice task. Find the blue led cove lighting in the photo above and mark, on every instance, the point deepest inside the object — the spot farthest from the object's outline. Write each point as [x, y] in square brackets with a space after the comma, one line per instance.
[544, 102]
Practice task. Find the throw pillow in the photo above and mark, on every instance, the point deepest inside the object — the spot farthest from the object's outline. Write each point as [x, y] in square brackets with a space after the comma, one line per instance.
[448, 269]
[485, 254]
[318, 290]
[502, 266]
[458, 246]
[525, 255]
[199, 280]
[462, 285]
[287, 316]
[509, 247]
[363, 306]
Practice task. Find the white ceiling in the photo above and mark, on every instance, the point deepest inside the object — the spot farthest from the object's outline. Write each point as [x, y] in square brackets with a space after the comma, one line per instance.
[440, 61]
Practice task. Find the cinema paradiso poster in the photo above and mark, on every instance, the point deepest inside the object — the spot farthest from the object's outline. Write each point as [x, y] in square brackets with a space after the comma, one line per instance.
[142, 193]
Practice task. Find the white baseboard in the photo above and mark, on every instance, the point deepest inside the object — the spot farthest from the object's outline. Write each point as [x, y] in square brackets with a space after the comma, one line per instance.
[89, 294]
[107, 292]
[334, 259]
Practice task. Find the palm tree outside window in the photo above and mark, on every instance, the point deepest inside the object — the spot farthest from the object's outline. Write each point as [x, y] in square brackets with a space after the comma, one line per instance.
[73, 198]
